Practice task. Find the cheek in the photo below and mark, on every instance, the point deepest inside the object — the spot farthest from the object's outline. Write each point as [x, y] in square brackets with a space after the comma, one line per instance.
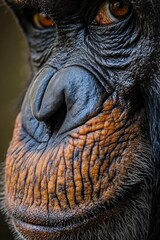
[91, 164]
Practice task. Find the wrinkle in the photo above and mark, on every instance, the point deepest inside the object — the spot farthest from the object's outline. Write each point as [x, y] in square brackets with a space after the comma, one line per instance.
[93, 150]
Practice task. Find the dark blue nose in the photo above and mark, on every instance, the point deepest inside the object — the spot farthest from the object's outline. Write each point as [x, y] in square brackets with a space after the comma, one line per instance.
[66, 99]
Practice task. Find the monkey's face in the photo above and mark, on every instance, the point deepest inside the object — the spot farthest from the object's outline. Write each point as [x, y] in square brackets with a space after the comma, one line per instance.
[79, 165]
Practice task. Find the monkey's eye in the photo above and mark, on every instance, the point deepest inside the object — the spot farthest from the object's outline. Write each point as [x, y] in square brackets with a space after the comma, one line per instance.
[41, 20]
[112, 11]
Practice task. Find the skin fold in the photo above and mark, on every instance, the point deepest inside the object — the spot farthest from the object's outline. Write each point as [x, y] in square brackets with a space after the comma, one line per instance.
[83, 163]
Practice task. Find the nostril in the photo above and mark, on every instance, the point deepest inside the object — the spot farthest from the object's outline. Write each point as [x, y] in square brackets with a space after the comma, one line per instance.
[56, 120]
[46, 95]
[47, 100]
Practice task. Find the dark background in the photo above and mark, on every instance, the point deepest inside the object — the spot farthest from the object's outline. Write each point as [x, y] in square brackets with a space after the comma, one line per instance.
[13, 74]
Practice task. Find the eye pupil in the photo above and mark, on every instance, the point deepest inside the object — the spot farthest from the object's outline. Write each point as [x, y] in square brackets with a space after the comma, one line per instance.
[119, 9]
[112, 11]
[45, 20]
[117, 5]
[41, 20]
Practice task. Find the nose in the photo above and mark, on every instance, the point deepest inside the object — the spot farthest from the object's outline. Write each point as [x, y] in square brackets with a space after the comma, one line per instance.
[66, 99]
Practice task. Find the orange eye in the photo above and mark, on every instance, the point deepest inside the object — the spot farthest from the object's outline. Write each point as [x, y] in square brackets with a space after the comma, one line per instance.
[112, 11]
[42, 21]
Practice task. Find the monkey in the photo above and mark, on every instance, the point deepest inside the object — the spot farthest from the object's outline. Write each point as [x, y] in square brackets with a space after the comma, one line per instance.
[84, 160]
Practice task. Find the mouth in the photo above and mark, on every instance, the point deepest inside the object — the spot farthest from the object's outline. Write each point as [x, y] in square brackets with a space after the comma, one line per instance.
[30, 231]
[63, 224]
[59, 227]
[65, 220]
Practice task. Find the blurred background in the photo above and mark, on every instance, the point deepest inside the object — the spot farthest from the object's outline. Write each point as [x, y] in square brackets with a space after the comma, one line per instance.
[13, 74]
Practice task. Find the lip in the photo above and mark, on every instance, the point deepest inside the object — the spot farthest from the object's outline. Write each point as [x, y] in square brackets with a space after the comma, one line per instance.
[31, 228]
[31, 231]
[58, 228]
[60, 224]
[63, 220]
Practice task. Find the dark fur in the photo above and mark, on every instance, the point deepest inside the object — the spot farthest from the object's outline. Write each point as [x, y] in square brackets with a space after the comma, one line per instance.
[141, 86]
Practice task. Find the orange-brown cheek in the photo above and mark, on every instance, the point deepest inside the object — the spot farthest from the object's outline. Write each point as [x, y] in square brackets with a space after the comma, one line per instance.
[90, 165]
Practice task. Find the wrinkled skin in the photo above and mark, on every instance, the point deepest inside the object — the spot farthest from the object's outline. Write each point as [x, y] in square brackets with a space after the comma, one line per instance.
[84, 159]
